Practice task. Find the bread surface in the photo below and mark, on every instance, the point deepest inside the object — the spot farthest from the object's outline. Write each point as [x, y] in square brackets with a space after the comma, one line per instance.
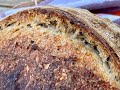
[59, 48]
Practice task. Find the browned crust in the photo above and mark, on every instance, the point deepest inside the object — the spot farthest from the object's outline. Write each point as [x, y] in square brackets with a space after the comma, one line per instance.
[21, 16]
[73, 20]
[51, 73]
[29, 14]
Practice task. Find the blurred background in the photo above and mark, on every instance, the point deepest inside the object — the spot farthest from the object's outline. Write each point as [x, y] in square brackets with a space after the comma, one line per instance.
[104, 8]
[9, 4]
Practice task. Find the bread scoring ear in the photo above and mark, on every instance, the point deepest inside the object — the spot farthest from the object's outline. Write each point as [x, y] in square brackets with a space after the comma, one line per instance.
[98, 36]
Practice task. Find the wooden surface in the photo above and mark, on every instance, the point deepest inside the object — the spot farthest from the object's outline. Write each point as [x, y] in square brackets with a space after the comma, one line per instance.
[8, 4]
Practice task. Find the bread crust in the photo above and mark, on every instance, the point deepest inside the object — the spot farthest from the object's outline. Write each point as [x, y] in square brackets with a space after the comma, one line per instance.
[74, 20]
[110, 48]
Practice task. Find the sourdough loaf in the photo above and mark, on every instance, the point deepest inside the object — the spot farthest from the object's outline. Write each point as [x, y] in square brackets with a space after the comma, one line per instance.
[54, 48]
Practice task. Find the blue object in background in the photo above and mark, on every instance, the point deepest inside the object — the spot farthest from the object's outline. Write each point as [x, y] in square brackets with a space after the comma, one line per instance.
[86, 4]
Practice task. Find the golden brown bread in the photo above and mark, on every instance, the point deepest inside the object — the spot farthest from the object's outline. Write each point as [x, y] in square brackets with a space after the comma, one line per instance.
[59, 48]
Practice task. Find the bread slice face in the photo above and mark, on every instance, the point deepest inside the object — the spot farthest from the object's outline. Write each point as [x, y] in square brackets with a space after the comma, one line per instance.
[59, 48]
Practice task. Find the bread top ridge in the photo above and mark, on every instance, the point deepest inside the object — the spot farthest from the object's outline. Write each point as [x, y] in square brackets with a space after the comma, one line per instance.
[109, 31]
[100, 34]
